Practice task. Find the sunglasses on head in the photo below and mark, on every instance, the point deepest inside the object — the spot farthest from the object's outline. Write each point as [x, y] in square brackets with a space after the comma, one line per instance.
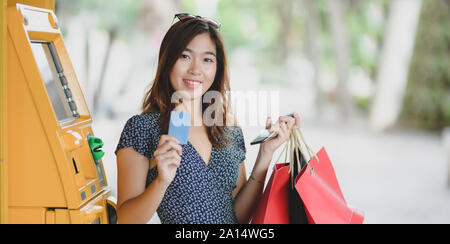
[185, 16]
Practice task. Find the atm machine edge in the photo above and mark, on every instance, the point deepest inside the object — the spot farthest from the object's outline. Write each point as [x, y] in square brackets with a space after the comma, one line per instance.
[55, 172]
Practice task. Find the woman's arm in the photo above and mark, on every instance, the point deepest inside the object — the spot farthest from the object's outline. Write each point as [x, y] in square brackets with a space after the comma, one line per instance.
[249, 192]
[135, 204]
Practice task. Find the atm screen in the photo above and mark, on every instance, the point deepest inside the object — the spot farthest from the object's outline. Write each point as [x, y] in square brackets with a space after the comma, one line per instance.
[55, 81]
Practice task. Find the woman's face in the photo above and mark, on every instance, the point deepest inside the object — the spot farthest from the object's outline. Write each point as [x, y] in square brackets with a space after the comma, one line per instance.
[195, 70]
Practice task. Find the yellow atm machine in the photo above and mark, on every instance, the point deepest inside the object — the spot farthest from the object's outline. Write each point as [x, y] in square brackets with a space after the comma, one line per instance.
[55, 172]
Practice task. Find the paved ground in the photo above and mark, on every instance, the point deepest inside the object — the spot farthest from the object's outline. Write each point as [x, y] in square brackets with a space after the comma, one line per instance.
[399, 176]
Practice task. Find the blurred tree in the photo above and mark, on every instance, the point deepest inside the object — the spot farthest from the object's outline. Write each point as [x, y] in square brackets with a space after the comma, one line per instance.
[314, 29]
[350, 37]
[395, 60]
[365, 21]
[284, 10]
[339, 34]
[249, 23]
[257, 27]
[120, 19]
[114, 18]
[366, 25]
[427, 99]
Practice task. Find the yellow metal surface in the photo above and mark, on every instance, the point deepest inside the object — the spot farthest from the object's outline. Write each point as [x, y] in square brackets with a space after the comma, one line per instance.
[52, 176]
[93, 211]
[47, 4]
[26, 215]
[3, 113]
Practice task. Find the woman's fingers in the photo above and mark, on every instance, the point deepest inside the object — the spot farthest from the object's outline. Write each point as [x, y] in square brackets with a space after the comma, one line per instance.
[290, 121]
[173, 161]
[165, 138]
[286, 123]
[167, 145]
[169, 158]
[287, 120]
[268, 123]
[285, 130]
[297, 120]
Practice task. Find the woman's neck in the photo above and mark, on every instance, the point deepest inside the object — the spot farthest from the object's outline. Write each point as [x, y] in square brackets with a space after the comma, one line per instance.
[194, 107]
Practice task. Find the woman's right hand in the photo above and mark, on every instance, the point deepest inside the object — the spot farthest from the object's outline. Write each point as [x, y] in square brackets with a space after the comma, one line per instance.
[168, 157]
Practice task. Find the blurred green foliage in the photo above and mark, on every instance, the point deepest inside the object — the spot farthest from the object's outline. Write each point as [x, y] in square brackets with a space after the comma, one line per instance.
[365, 28]
[188, 6]
[272, 31]
[117, 17]
[427, 99]
[256, 26]
[245, 23]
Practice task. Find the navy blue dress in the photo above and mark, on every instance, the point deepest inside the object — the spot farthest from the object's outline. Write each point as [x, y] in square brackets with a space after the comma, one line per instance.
[199, 193]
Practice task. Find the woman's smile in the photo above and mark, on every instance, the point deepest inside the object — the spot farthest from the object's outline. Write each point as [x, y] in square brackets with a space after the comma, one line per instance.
[192, 84]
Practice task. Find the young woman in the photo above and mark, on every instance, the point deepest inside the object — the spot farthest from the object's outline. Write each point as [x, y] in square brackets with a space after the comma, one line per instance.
[205, 180]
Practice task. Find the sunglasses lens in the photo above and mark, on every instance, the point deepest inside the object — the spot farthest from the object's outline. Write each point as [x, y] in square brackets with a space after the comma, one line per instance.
[183, 17]
[213, 23]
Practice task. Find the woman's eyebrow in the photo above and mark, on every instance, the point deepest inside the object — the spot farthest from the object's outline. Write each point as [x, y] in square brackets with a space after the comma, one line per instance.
[207, 52]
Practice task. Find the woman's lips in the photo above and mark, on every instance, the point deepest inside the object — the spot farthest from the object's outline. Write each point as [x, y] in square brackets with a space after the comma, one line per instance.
[193, 84]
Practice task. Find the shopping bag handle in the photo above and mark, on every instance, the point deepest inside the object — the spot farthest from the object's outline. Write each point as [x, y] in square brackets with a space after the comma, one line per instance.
[297, 139]
[298, 144]
[291, 148]
[302, 139]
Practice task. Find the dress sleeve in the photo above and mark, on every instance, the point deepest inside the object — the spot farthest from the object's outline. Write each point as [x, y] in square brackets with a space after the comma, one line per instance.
[240, 144]
[136, 136]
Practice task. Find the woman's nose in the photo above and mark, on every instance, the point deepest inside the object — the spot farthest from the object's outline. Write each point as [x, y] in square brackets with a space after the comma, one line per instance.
[195, 67]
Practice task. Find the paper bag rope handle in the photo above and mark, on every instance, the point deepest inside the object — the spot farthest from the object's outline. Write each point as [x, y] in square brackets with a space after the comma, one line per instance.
[292, 146]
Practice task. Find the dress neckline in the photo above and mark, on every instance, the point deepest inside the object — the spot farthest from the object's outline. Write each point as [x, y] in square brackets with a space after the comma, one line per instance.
[198, 154]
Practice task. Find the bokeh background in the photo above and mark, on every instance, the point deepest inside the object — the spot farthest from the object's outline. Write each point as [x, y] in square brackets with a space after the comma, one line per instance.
[370, 79]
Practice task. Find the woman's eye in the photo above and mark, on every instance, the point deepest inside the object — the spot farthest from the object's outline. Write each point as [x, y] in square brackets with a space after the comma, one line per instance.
[184, 56]
[208, 60]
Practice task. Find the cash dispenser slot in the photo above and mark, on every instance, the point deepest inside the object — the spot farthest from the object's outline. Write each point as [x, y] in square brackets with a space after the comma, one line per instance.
[88, 173]
[75, 166]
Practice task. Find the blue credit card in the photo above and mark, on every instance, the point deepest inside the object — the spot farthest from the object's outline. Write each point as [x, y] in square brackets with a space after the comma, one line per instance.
[179, 126]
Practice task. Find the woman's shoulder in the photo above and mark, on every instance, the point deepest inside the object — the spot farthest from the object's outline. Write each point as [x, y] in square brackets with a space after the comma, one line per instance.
[234, 133]
[236, 136]
[140, 132]
[144, 120]
[232, 125]
[144, 123]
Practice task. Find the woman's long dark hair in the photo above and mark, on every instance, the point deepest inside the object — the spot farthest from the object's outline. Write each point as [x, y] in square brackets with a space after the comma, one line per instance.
[158, 97]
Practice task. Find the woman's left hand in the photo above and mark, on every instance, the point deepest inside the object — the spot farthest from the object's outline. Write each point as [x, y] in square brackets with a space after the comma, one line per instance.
[284, 128]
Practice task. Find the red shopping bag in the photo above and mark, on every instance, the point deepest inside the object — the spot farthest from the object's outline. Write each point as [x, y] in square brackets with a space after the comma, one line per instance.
[322, 197]
[273, 206]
